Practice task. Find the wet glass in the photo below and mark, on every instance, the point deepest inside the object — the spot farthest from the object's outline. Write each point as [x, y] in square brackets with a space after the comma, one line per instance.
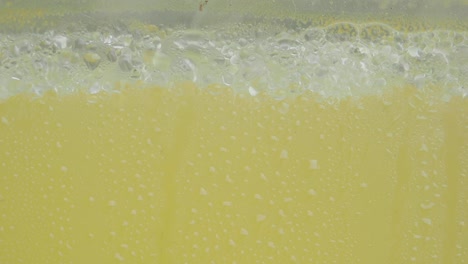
[222, 131]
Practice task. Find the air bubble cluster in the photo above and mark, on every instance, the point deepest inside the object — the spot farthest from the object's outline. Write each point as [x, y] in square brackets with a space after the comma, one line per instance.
[340, 60]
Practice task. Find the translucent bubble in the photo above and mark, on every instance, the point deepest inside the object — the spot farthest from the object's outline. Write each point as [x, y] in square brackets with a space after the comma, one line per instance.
[92, 60]
[111, 55]
[60, 41]
[341, 32]
[79, 44]
[313, 34]
[184, 69]
[125, 62]
[376, 33]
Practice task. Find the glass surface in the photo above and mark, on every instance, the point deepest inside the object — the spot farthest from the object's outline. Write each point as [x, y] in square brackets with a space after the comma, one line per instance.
[233, 131]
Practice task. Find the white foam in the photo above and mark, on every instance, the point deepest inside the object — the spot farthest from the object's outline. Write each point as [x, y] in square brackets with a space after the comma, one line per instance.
[340, 60]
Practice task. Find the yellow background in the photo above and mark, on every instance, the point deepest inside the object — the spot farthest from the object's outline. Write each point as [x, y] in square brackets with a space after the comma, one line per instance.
[188, 175]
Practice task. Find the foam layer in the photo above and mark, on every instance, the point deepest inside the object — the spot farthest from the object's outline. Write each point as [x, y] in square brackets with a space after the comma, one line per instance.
[340, 60]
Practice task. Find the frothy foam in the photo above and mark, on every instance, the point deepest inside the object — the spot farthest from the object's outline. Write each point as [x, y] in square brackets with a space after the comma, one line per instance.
[340, 60]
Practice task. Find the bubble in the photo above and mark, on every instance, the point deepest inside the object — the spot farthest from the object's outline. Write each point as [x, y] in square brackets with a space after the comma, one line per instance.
[313, 34]
[5, 120]
[111, 55]
[191, 40]
[92, 60]
[413, 52]
[376, 33]
[341, 32]
[79, 44]
[125, 62]
[185, 69]
[60, 41]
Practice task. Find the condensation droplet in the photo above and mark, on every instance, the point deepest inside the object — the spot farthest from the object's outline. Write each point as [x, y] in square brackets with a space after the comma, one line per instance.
[284, 154]
[119, 257]
[313, 164]
[252, 91]
[5, 120]
[424, 148]
[427, 221]
[203, 191]
[261, 217]
[312, 192]
[427, 205]
[244, 231]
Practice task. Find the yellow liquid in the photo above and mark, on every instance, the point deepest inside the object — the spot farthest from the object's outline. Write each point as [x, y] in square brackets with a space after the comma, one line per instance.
[194, 176]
